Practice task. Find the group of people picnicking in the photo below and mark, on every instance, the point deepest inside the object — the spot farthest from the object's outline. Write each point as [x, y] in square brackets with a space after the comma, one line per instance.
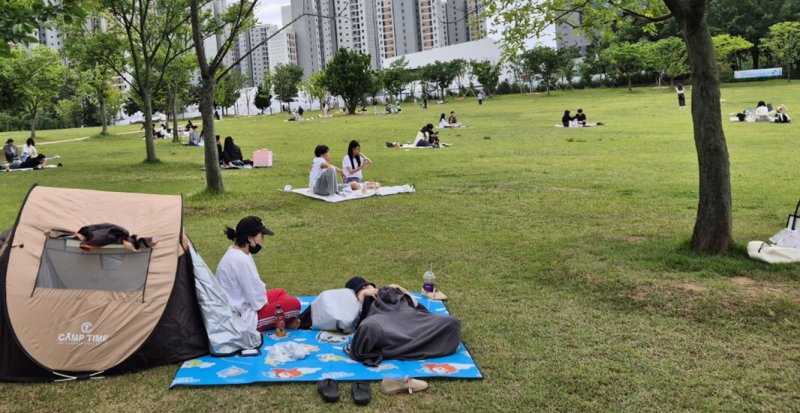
[322, 178]
[420, 333]
[763, 113]
[576, 121]
[27, 158]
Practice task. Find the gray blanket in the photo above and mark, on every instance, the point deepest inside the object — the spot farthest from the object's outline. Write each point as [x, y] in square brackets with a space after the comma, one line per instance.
[394, 329]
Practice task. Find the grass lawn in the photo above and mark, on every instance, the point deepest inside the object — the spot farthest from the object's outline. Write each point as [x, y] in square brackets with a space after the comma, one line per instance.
[563, 251]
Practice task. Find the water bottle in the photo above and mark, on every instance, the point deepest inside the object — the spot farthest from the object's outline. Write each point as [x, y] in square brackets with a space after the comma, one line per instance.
[429, 281]
[280, 322]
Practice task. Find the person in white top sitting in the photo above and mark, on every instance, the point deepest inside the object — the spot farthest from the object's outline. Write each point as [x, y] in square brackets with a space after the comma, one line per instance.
[238, 276]
[28, 150]
[762, 112]
[352, 165]
[322, 178]
[443, 123]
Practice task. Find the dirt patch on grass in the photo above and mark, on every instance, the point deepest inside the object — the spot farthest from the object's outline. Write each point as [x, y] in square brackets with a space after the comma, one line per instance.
[743, 281]
[636, 239]
[689, 286]
[640, 292]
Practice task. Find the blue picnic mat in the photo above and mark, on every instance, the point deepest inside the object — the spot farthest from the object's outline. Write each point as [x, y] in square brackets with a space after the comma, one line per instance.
[326, 359]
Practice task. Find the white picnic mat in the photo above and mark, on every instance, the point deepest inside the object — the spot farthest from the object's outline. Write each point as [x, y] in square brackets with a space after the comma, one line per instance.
[412, 146]
[351, 195]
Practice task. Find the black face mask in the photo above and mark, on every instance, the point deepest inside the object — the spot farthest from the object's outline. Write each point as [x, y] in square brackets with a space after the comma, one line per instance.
[254, 249]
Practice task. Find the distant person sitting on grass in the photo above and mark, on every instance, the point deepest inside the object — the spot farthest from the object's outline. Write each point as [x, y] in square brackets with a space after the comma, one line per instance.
[194, 137]
[233, 154]
[580, 118]
[443, 123]
[322, 177]
[352, 165]
[781, 116]
[566, 119]
[11, 151]
[453, 120]
[28, 150]
[427, 137]
[762, 112]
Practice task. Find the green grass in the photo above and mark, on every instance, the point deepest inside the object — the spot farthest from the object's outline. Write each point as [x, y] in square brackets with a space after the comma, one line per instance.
[563, 251]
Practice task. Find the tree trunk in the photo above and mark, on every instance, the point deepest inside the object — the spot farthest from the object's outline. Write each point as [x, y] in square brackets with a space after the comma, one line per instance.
[33, 123]
[754, 54]
[213, 178]
[148, 127]
[206, 104]
[712, 229]
[630, 83]
[176, 137]
[101, 99]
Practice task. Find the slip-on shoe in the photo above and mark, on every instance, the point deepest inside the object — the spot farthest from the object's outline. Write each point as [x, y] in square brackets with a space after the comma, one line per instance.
[406, 384]
[362, 393]
[329, 390]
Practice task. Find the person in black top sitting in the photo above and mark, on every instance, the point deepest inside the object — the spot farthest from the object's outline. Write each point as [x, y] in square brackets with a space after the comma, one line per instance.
[233, 154]
[220, 153]
[566, 119]
[580, 117]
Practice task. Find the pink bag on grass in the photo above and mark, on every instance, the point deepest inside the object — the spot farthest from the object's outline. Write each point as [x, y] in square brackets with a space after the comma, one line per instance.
[262, 158]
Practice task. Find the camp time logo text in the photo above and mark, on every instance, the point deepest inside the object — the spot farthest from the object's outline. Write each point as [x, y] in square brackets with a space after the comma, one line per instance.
[84, 337]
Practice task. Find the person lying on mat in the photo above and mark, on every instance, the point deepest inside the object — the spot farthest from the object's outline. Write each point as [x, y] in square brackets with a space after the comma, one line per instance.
[233, 154]
[352, 165]
[393, 325]
[37, 162]
[322, 177]
[238, 276]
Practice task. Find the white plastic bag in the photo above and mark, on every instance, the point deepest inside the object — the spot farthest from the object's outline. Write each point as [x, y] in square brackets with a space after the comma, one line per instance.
[287, 351]
[335, 310]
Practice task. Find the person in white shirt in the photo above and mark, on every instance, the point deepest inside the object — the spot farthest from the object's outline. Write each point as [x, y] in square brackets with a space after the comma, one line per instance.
[238, 276]
[762, 112]
[322, 178]
[28, 150]
[352, 165]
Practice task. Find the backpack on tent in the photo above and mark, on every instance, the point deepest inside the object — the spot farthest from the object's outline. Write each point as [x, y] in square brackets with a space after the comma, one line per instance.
[68, 312]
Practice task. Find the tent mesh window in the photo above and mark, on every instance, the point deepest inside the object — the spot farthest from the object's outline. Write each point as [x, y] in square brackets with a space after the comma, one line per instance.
[111, 268]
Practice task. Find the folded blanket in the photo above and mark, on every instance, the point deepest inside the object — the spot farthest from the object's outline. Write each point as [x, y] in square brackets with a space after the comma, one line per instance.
[348, 195]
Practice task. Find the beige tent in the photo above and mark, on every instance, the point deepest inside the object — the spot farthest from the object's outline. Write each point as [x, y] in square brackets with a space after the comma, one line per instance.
[69, 312]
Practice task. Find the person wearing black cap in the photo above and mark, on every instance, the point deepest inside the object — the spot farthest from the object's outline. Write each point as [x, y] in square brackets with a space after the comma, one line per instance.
[11, 151]
[239, 278]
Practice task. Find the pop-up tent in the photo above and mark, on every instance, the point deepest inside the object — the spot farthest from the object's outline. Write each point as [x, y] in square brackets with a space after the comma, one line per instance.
[69, 310]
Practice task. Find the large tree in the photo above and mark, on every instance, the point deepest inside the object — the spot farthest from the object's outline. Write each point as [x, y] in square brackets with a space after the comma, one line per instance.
[783, 42]
[488, 74]
[545, 62]
[395, 77]
[153, 34]
[263, 98]
[285, 81]
[37, 75]
[86, 48]
[523, 18]
[349, 75]
[626, 58]
[442, 74]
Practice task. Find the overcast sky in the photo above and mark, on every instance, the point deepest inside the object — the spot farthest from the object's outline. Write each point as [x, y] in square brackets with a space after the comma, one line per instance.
[269, 11]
